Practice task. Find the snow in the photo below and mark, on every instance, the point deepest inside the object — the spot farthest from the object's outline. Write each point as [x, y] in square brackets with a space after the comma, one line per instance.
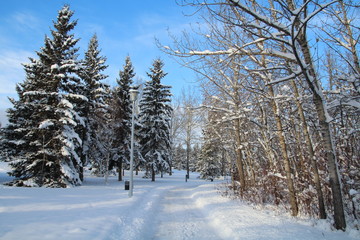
[169, 208]
[208, 52]
[353, 192]
[54, 66]
[45, 124]
[67, 104]
[284, 55]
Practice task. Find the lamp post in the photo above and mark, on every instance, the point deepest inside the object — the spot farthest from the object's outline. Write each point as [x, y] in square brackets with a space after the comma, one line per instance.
[133, 97]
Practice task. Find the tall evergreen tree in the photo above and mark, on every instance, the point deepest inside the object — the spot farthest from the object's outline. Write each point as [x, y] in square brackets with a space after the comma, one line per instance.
[155, 116]
[20, 138]
[122, 116]
[94, 111]
[42, 136]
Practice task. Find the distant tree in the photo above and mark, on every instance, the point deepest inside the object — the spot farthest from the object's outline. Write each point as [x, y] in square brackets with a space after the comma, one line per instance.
[95, 110]
[179, 154]
[122, 116]
[101, 153]
[191, 120]
[209, 163]
[175, 135]
[194, 156]
[155, 117]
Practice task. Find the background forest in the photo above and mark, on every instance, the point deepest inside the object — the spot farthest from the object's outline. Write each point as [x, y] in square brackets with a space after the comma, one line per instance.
[280, 83]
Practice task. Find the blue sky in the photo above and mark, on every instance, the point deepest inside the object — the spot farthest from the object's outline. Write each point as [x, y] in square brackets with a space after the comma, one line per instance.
[123, 28]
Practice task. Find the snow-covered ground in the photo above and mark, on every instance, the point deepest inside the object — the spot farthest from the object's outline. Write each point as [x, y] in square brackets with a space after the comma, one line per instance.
[169, 208]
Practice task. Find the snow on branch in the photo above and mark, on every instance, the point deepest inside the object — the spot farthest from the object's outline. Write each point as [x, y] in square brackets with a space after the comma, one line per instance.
[212, 108]
[277, 25]
[297, 13]
[347, 102]
[287, 78]
[240, 51]
[45, 124]
[208, 52]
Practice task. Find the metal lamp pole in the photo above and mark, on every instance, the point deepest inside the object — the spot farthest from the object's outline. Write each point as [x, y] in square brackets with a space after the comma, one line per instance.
[133, 97]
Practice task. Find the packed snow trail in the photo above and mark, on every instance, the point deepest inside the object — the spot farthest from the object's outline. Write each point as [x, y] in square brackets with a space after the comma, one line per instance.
[164, 211]
[179, 218]
[169, 208]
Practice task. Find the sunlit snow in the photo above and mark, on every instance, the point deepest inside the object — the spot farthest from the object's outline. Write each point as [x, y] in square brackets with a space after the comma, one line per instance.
[169, 208]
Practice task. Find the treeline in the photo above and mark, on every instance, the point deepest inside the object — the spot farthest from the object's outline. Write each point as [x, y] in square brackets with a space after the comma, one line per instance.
[281, 87]
[66, 118]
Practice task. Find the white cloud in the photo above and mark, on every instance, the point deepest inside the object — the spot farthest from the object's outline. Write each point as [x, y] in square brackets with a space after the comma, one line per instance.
[11, 70]
[3, 117]
[11, 73]
[4, 104]
[25, 21]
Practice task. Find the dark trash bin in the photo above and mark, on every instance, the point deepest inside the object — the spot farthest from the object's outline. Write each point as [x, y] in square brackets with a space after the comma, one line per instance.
[127, 185]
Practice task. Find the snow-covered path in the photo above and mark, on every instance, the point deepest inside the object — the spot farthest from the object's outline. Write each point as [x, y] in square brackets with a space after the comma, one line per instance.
[179, 218]
[169, 208]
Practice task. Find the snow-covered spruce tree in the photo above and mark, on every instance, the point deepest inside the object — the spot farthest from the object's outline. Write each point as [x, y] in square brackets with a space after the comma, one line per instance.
[210, 155]
[122, 116]
[47, 150]
[60, 57]
[209, 163]
[154, 117]
[21, 144]
[179, 154]
[94, 111]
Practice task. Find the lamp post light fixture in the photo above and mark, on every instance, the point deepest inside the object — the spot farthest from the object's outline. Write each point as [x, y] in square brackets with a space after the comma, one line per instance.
[133, 97]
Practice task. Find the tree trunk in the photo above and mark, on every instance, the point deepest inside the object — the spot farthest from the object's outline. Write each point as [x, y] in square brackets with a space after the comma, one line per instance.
[119, 170]
[312, 80]
[251, 168]
[188, 148]
[223, 163]
[335, 184]
[239, 158]
[152, 174]
[309, 144]
[286, 160]
[280, 133]
[81, 173]
[324, 125]
[265, 143]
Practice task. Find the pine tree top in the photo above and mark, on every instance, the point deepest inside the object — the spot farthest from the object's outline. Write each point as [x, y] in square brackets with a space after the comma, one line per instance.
[127, 74]
[156, 71]
[63, 23]
[93, 62]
